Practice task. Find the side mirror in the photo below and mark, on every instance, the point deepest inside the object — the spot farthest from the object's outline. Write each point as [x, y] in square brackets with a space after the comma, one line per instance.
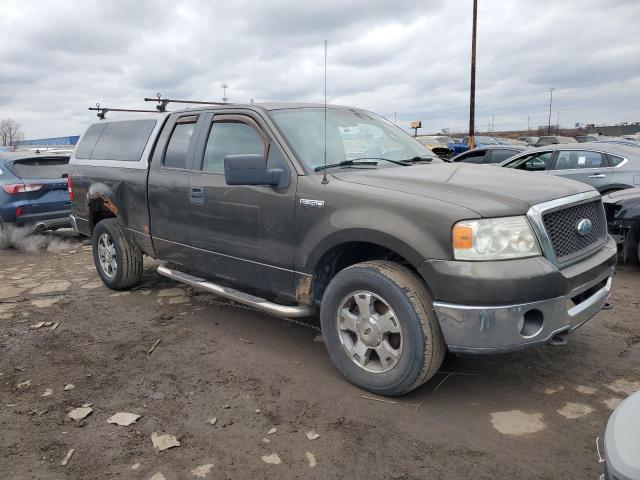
[250, 170]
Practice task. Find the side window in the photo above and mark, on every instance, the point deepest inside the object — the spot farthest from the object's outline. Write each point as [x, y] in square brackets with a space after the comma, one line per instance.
[615, 160]
[500, 155]
[123, 140]
[474, 157]
[230, 138]
[574, 159]
[534, 162]
[175, 155]
[89, 140]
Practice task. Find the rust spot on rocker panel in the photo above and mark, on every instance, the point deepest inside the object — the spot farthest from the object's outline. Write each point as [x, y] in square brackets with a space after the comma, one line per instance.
[303, 289]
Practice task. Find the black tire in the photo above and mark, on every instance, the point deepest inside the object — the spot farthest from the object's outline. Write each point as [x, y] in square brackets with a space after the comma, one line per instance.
[423, 346]
[128, 257]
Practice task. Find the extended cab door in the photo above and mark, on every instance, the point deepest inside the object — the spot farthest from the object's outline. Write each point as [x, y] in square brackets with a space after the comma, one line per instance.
[168, 187]
[584, 166]
[242, 233]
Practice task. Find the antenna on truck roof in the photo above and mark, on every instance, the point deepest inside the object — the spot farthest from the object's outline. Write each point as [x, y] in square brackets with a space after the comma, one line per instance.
[102, 111]
[325, 180]
[163, 102]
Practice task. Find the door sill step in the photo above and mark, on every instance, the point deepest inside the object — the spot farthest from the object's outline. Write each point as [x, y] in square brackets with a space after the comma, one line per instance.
[236, 295]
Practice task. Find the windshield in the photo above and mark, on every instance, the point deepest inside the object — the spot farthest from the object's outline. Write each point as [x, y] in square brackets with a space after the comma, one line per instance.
[351, 135]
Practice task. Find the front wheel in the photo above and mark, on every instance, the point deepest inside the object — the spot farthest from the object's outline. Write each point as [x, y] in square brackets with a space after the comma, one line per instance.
[380, 328]
[118, 260]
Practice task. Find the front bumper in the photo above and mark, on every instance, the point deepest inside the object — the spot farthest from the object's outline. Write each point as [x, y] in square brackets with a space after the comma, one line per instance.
[539, 302]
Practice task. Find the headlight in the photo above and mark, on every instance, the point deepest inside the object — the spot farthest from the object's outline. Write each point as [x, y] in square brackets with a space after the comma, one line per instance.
[494, 239]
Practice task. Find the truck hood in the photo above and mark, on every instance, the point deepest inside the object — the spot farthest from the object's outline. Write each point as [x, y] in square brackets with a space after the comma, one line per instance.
[487, 191]
[627, 194]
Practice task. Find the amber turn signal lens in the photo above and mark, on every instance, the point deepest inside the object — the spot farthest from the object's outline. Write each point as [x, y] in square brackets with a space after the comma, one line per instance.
[462, 237]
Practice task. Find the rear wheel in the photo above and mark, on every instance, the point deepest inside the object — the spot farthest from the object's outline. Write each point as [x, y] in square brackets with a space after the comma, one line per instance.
[117, 259]
[380, 328]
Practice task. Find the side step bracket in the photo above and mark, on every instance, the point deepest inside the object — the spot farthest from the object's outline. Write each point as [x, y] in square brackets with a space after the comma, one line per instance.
[236, 295]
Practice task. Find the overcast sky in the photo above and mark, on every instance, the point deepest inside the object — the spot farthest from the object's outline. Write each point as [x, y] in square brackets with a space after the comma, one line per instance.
[410, 57]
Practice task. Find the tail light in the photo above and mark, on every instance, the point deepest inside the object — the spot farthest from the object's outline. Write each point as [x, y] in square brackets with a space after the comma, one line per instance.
[15, 188]
[18, 211]
[70, 189]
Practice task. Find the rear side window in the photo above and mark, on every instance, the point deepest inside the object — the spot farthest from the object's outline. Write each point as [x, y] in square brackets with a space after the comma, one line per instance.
[89, 139]
[574, 159]
[498, 156]
[41, 168]
[533, 162]
[120, 141]
[230, 138]
[176, 153]
[615, 160]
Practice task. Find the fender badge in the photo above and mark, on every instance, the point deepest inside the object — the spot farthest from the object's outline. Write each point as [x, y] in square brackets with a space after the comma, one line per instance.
[307, 202]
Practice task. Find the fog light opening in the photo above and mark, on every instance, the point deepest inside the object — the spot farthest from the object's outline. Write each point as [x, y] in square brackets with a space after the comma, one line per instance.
[531, 323]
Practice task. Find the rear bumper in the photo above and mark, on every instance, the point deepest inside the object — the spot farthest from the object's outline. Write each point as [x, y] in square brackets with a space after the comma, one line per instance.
[44, 220]
[539, 302]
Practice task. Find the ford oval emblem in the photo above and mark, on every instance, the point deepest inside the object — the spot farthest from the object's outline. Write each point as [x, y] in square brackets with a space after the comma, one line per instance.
[585, 226]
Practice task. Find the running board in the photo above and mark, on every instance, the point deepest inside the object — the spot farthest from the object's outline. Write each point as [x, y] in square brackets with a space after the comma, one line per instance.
[238, 296]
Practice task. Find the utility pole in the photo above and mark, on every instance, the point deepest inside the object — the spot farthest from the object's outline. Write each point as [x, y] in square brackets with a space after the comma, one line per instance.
[224, 92]
[558, 123]
[472, 103]
[529, 123]
[550, 103]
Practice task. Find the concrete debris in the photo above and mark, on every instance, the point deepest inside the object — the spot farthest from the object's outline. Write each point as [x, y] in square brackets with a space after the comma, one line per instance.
[123, 418]
[517, 422]
[266, 440]
[35, 326]
[272, 459]
[26, 383]
[311, 435]
[585, 390]
[48, 324]
[202, 470]
[212, 420]
[67, 457]
[157, 476]
[257, 410]
[311, 458]
[226, 406]
[85, 405]
[153, 347]
[575, 410]
[318, 338]
[47, 393]
[135, 466]
[55, 325]
[622, 385]
[272, 430]
[69, 386]
[163, 442]
[80, 413]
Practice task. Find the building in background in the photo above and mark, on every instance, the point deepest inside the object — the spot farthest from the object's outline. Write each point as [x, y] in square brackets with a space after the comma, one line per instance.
[49, 142]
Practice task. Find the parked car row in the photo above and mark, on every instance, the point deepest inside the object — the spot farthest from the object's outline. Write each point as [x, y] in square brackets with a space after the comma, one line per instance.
[33, 190]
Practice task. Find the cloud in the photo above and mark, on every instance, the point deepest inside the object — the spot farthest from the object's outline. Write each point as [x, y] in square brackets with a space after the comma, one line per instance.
[403, 57]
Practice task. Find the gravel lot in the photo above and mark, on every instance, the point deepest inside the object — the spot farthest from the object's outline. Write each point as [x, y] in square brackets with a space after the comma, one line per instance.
[534, 414]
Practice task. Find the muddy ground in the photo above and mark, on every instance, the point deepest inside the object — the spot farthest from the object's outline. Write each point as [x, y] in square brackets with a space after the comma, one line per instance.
[534, 414]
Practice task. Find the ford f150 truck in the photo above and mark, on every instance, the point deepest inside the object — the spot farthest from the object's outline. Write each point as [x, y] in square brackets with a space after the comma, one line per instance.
[294, 208]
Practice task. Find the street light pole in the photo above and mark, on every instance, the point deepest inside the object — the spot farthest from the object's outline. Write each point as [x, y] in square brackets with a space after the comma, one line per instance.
[550, 103]
[472, 102]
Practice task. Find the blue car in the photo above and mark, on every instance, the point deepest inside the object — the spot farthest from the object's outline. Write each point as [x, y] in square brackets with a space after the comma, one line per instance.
[34, 190]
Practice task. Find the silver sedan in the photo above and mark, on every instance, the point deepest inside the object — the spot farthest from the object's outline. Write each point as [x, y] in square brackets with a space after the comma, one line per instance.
[607, 167]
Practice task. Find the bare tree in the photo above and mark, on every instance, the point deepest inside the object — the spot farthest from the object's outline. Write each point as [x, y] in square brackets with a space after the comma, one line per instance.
[10, 132]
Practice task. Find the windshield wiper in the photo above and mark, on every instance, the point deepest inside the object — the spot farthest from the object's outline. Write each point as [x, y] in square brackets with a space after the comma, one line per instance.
[344, 163]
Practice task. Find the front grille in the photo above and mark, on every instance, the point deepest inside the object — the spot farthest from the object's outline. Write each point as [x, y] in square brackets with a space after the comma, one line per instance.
[562, 228]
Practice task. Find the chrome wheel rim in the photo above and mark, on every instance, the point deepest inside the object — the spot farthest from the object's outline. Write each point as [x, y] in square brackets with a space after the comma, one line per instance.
[107, 255]
[369, 332]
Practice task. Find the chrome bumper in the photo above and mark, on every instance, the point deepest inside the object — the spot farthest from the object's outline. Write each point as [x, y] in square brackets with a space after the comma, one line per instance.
[505, 328]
